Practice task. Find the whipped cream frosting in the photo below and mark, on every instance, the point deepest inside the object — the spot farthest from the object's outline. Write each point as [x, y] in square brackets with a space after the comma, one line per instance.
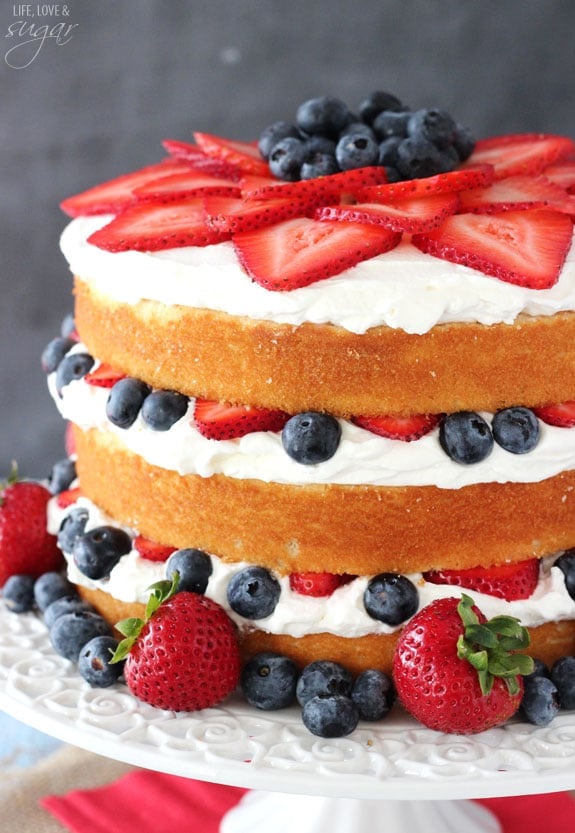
[343, 613]
[361, 458]
[403, 289]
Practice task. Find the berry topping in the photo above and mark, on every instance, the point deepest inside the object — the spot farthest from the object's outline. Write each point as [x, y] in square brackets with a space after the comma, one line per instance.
[298, 252]
[220, 421]
[195, 158]
[74, 366]
[151, 550]
[242, 155]
[94, 662]
[185, 184]
[193, 567]
[328, 188]
[62, 476]
[269, 681]
[125, 401]
[566, 564]
[399, 428]
[516, 430]
[68, 497]
[311, 437]
[54, 352]
[411, 214]
[516, 194]
[373, 694]
[504, 581]
[103, 376]
[563, 174]
[390, 598]
[226, 214]
[97, 551]
[316, 584]
[253, 593]
[466, 437]
[163, 408]
[524, 153]
[561, 414]
[476, 176]
[71, 528]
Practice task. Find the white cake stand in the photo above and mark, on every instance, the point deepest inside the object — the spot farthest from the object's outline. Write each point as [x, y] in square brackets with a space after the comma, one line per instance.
[394, 776]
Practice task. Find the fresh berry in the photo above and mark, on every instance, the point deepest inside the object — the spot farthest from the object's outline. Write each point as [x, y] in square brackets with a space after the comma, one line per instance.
[115, 194]
[103, 376]
[125, 401]
[194, 568]
[187, 183]
[311, 437]
[316, 584]
[163, 408]
[149, 227]
[73, 367]
[457, 673]
[391, 124]
[476, 176]
[62, 476]
[231, 215]
[323, 678]
[523, 153]
[563, 675]
[391, 598]
[563, 174]
[539, 670]
[274, 133]
[25, 544]
[411, 214]
[243, 155]
[540, 702]
[516, 430]
[151, 550]
[68, 497]
[94, 662]
[561, 414]
[49, 587]
[72, 527]
[418, 158]
[527, 248]
[330, 717]
[200, 161]
[97, 551]
[65, 604]
[72, 631]
[356, 150]
[69, 440]
[566, 564]
[220, 421]
[504, 581]
[68, 327]
[373, 694]
[253, 593]
[324, 189]
[399, 428]
[515, 194]
[318, 164]
[185, 656]
[376, 102]
[466, 437]
[434, 125]
[54, 352]
[18, 593]
[324, 116]
[269, 681]
[286, 159]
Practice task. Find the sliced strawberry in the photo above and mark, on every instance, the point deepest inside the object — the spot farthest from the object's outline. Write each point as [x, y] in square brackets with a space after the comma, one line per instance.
[147, 227]
[193, 156]
[506, 581]
[516, 193]
[563, 174]
[411, 214]
[298, 252]
[68, 497]
[523, 153]
[243, 155]
[399, 428]
[462, 179]
[114, 195]
[317, 584]
[561, 414]
[335, 186]
[151, 550]
[69, 440]
[220, 421]
[233, 215]
[188, 183]
[104, 376]
[527, 248]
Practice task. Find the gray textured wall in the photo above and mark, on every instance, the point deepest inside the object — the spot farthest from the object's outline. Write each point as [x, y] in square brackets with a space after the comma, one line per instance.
[136, 71]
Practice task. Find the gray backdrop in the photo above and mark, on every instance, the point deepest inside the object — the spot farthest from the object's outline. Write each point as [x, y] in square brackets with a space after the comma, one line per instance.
[95, 100]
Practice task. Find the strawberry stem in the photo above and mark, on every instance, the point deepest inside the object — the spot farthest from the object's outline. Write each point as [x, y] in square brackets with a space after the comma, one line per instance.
[130, 628]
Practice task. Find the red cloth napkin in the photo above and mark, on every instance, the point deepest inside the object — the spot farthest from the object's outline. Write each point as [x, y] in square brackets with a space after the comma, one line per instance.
[145, 800]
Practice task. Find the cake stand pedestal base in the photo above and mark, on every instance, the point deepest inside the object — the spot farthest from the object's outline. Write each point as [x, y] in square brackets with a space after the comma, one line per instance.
[265, 812]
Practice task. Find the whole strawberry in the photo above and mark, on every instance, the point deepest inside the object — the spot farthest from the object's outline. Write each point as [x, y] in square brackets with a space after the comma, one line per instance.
[25, 544]
[457, 672]
[185, 657]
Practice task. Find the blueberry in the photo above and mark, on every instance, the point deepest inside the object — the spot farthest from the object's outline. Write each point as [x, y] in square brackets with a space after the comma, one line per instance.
[74, 366]
[373, 694]
[94, 662]
[311, 437]
[194, 567]
[540, 701]
[163, 408]
[273, 134]
[463, 142]
[318, 144]
[286, 159]
[391, 598]
[330, 717]
[434, 125]
[54, 352]
[18, 593]
[322, 164]
[63, 605]
[566, 564]
[539, 669]
[516, 430]
[325, 115]
[49, 587]
[357, 128]
[416, 157]
[253, 593]
[125, 401]
[97, 551]
[390, 124]
[62, 476]
[563, 675]
[356, 150]
[466, 437]
[72, 526]
[376, 102]
[323, 678]
[269, 680]
[71, 632]
[68, 326]
[388, 151]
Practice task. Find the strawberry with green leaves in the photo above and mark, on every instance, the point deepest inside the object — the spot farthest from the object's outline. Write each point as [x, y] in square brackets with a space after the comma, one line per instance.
[184, 656]
[456, 672]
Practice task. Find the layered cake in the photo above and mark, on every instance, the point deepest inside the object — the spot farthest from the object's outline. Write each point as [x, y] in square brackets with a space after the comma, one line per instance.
[350, 386]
